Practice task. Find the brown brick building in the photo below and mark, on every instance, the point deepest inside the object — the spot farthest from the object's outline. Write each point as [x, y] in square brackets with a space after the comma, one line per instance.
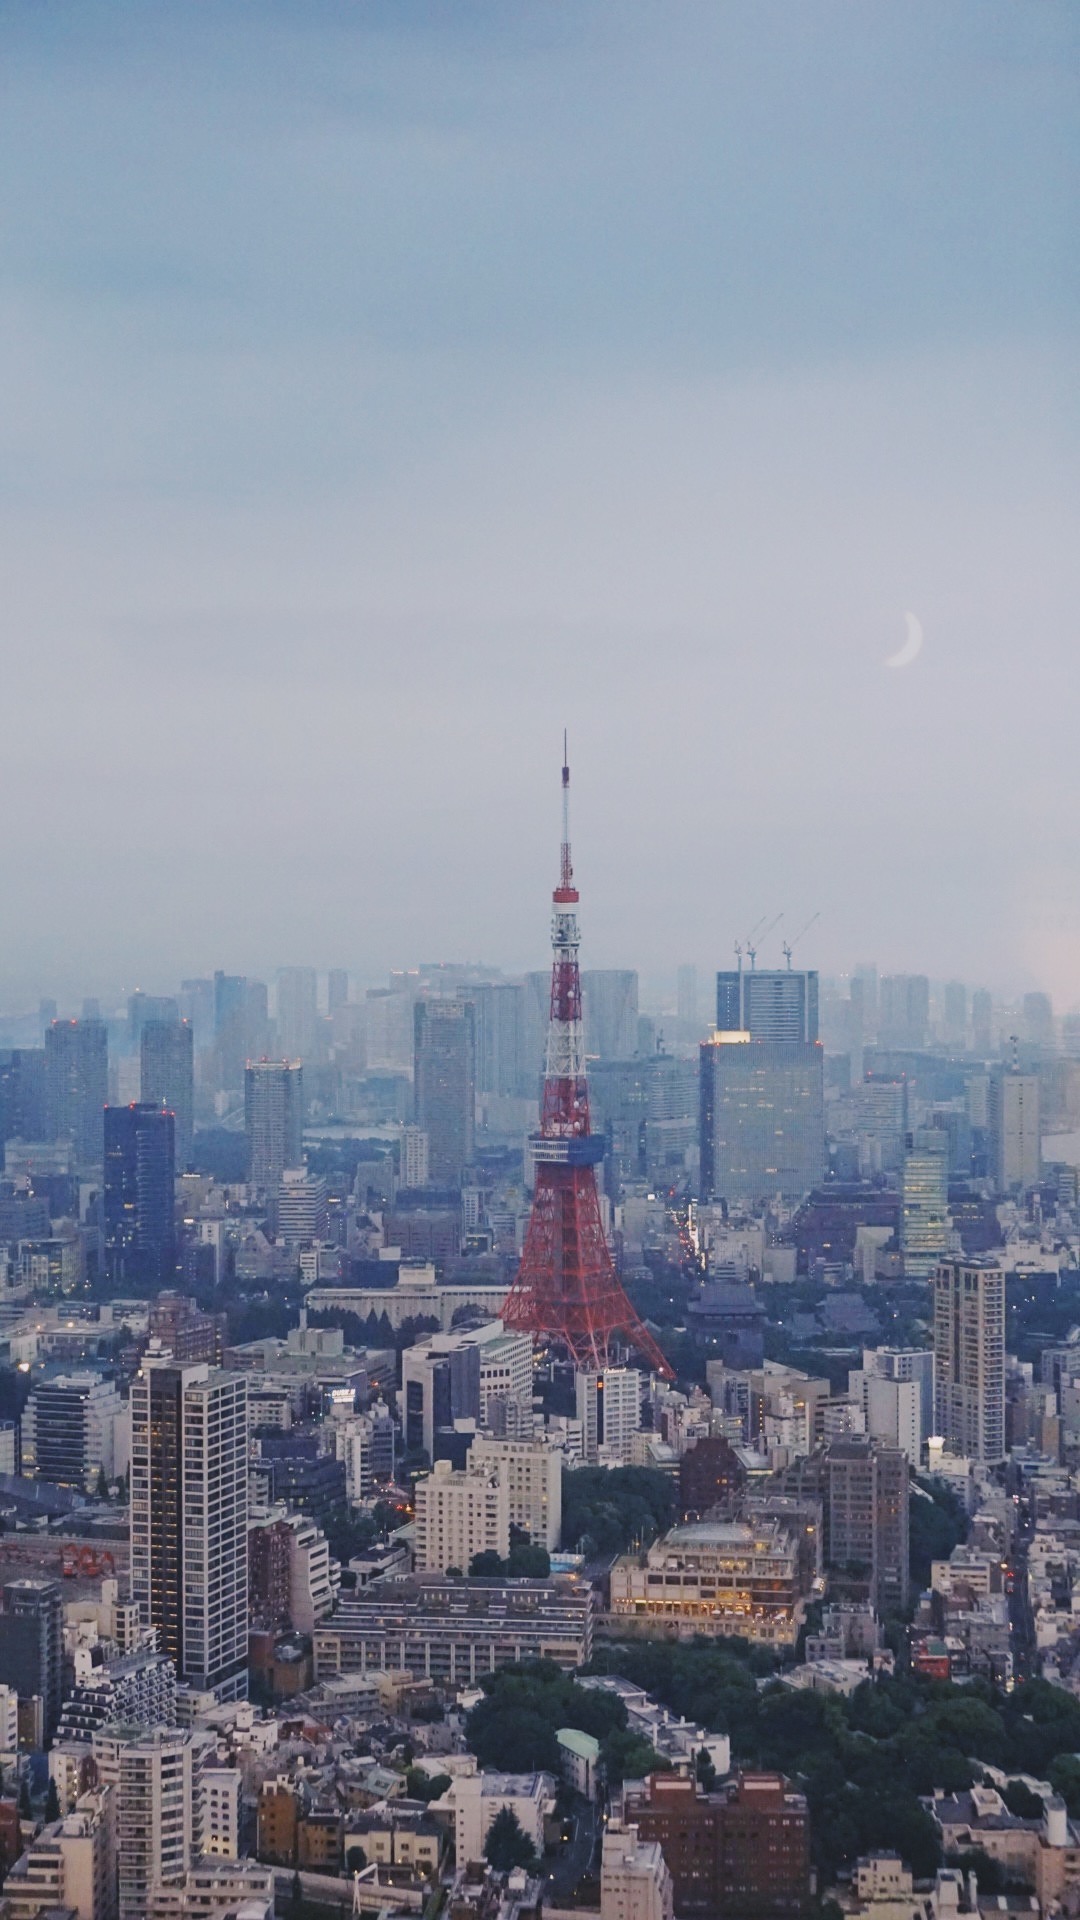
[741, 1853]
[711, 1475]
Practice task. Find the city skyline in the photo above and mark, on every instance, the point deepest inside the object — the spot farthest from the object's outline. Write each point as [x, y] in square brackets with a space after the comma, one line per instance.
[440, 385]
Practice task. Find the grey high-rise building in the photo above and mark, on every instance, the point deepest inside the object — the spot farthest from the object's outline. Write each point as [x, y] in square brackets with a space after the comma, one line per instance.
[982, 1021]
[189, 1519]
[22, 1094]
[167, 1078]
[196, 1004]
[337, 990]
[774, 1004]
[444, 1085]
[1015, 1130]
[609, 1011]
[867, 1498]
[537, 1020]
[498, 1007]
[241, 1025]
[31, 1644]
[139, 1187]
[274, 1120]
[762, 1089]
[904, 1018]
[969, 1358]
[77, 1085]
[686, 1001]
[956, 1013]
[143, 1007]
[1039, 1021]
[297, 1011]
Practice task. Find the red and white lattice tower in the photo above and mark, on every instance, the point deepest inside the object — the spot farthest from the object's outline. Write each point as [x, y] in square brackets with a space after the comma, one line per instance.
[567, 1289]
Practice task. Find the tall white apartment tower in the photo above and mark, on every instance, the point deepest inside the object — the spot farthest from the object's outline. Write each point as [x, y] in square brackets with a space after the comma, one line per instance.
[609, 1408]
[151, 1773]
[969, 1358]
[189, 1519]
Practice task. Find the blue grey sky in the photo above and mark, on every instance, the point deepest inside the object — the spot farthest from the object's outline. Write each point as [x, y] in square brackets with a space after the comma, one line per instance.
[388, 385]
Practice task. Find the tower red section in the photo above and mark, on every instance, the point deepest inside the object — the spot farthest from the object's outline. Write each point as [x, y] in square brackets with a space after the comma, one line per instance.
[567, 1288]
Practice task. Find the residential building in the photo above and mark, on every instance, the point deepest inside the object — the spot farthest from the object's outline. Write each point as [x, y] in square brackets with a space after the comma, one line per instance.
[608, 1405]
[458, 1515]
[902, 1364]
[867, 1495]
[69, 1866]
[216, 1889]
[140, 1175]
[314, 1576]
[742, 1851]
[719, 1577]
[189, 1519]
[712, 1480]
[969, 1358]
[133, 1689]
[151, 1774]
[531, 1471]
[68, 1430]
[444, 1085]
[185, 1332]
[218, 1792]
[420, 1623]
[274, 1120]
[365, 1442]
[77, 1085]
[635, 1882]
[476, 1798]
[31, 1644]
[167, 1078]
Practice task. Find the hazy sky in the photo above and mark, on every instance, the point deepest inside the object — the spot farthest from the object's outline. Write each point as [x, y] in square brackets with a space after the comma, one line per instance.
[388, 385]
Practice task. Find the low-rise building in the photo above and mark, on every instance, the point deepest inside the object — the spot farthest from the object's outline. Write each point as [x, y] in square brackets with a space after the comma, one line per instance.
[475, 1798]
[635, 1883]
[455, 1634]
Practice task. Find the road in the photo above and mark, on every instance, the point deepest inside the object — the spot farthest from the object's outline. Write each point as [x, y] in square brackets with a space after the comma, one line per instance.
[1022, 1636]
[575, 1858]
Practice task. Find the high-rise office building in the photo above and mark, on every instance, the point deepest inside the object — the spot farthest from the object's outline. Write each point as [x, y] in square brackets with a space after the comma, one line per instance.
[189, 1519]
[337, 990]
[144, 1007]
[956, 1013]
[167, 1078]
[140, 1177]
[1015, 1131]
[22, 1094]
[609, 1010]
[498, 1008]
[982, 1021]
[274, 1120]
[68, 1430]
[241, 1026]
[31, 1644]
[77, 1085]
[444, 1085]
[686, 1002]
[969, 1358]
[300, 1210]
[297, 1011]
[762, 1118]
[924, 1204]
[904, 1019]
[774, 1005]
[1039, 1021]
[196, 1003]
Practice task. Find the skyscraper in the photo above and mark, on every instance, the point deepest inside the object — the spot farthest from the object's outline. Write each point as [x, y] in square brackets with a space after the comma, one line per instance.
[969, 1358]
[609, 1010]
[444, 1085]
[982, 1021]
[905, 1011]
[297, 1011]
[867, 1491]
[956, 1013]
[140, 1174]
[924, 1203]
[774, 1005]
[189, 1515]
[762, 1118]
[273, 1119]
[77, 1085]
[499, 1016]
[337, 990]
[1015, 1132]
[143, 1007]
[22, 1094]
[167, 1078]
[686, 1001]
[31, 1644]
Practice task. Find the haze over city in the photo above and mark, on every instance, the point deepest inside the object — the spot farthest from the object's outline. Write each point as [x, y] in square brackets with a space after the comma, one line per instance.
[389, 388]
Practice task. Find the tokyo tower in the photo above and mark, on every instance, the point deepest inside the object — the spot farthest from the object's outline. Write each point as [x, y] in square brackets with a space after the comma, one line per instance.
[567, 1289]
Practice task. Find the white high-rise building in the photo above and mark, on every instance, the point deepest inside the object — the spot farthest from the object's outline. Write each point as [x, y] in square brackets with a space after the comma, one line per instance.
[609, 1409]
[9, 1725]
[635, 1882]
[151, 1774]
[1015, 1131]
[532, 1472]
[969, 1358]
[459, 1515]
[314, 1576]
[189, 1519]
[415, 1158]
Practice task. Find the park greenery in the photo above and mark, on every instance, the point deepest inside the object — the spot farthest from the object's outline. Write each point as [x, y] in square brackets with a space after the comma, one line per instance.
[523, 1562]
[513, 1727]
[863, 1763]
[608, 1510]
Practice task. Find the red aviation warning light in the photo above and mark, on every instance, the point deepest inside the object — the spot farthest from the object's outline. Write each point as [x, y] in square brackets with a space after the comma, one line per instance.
[567, 1288]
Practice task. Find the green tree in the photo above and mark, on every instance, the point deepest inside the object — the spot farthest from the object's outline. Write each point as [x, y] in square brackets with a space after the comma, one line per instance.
[1064, 1776]
[355, 1859]
[629, 1756]
[508, 1845]
[102, 1485]
[487, 1565]
[528, 1562]
[52, 1801]
[426, 1786]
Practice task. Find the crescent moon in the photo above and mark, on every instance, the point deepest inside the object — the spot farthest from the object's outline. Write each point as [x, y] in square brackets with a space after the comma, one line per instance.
[912, 646]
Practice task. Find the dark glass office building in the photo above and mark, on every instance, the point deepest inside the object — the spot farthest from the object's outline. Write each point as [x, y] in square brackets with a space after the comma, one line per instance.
[140, 1170]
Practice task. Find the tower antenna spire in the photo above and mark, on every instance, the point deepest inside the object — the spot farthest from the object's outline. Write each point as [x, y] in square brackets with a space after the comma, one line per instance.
[567, 1289]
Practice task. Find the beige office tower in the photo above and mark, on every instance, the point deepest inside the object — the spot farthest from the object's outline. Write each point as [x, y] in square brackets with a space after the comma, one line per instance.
[1015, 1134]
[459, 1515]
[969, 1358]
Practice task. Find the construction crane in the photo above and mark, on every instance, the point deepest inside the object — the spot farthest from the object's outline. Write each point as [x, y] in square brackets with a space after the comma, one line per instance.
[789, 946]
[771, 928]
